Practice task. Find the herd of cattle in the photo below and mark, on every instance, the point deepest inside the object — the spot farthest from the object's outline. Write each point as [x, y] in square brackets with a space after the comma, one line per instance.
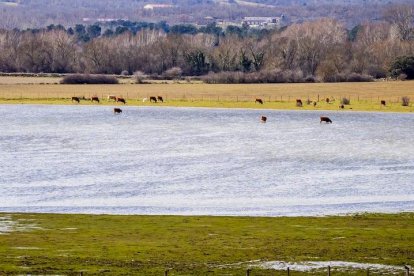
[96, 99]
[154, 99]
[299, 102]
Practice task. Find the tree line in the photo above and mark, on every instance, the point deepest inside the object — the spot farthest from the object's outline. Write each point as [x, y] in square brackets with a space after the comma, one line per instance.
[321, 50]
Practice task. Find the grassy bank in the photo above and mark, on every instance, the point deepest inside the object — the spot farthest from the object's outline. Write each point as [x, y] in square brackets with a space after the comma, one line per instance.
[361, 105]
[363, 96]
[147, 245]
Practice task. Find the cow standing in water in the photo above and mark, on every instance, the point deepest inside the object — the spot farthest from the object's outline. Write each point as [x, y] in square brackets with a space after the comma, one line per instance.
[95, 99]
[263, 119]
[326, 119]
[260, 101]
[117, 110]
[153, 99]
[76, 99]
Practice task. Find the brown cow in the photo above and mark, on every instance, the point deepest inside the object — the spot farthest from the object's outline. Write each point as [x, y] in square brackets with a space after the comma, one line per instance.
[327, 100]
[299, 103]
[326, 119]
[341, 106]
[383, 102]
[120, 100]
[111, 97]
[260, 101]
[95, 99]
[117, 110]
[75, 99]
[153, 99]
[160, 99]
[314, 104]
[263, 119]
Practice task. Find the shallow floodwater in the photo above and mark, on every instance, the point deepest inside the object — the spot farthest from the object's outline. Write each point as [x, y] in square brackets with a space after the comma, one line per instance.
[85, 159]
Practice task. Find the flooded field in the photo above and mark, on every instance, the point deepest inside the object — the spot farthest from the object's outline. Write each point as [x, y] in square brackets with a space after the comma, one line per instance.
[85, 159]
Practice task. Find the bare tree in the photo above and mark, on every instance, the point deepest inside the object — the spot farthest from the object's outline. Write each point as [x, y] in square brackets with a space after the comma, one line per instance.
[402, 17]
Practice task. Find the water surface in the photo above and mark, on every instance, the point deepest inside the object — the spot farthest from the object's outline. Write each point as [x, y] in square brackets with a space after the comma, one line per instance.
[85, 159]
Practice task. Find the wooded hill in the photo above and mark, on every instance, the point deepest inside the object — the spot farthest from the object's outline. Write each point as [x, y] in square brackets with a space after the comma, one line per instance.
[40, 13]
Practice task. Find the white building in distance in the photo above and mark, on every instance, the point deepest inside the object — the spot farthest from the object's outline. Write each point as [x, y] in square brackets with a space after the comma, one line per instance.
[152, 7]
[263, 22]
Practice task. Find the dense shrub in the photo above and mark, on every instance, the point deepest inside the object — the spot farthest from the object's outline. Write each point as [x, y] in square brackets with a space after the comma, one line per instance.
[402, 77]
[403, 65]
[352, 77]
[345, 101]
[124, 73]
[88, 79]
[355, 77]
[405, 101]
[140, 77]
[173, 73]
[376, 72]
[270, 76]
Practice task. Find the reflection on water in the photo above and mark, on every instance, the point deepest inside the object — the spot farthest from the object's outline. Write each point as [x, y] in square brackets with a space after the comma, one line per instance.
[203, 161]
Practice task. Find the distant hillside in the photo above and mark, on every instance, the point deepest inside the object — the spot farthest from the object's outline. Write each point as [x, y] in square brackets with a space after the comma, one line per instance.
[40, 13]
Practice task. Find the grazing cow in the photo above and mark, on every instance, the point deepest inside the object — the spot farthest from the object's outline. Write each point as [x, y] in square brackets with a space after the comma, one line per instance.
[160, 99]
[260, 101]
[144, 100]
[120, 100]
[299, 103]
[341, 106]
[153, 99]
[314, 104]
[383, 103]
[95, 99]
[326, 119]
[117, 110]
[111, 97]
[263, 119]
[327, 100]
[75, 99]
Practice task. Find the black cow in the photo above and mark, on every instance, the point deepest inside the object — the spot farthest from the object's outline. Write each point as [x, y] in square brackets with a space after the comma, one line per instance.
[260, 101]
[153, 99]
[326, 119]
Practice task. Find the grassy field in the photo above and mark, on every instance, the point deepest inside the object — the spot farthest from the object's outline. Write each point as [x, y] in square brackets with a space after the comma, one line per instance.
[360, 106]
[363, 96]
[147, 245]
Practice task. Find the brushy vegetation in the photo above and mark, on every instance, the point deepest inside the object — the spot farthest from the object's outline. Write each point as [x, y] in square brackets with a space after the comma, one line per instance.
[271, 76]
[281, 76]
[405, 101]
[147, 245]
[89, 79]
[345, 101]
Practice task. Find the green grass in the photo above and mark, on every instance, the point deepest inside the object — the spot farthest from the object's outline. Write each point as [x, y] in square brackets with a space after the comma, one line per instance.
[362, 105]
[147, 245]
